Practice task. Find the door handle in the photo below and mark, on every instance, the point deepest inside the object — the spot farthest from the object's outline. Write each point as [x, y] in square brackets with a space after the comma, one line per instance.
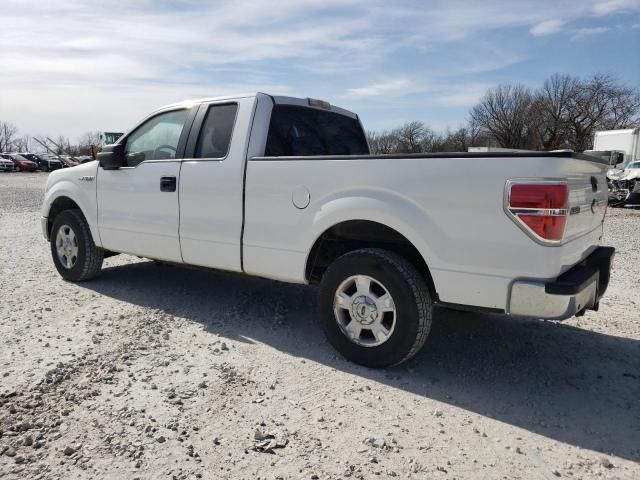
[167, 184]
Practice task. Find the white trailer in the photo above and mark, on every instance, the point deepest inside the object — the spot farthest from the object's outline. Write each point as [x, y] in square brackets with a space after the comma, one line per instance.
[626, 141]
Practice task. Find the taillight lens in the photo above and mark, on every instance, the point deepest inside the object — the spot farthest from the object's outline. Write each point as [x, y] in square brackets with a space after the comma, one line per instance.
[541, 207]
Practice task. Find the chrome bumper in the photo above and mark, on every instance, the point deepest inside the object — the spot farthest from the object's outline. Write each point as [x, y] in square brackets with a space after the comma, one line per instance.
[529, 299]
[575, 291]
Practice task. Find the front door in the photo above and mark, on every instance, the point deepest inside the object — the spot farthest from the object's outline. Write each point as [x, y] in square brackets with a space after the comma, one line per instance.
[138, 209]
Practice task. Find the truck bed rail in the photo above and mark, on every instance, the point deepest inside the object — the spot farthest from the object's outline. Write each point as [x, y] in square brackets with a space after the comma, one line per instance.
[574, 155]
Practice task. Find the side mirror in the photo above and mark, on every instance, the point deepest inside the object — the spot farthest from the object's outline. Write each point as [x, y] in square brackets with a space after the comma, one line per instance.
[112, 157]
[619, 158]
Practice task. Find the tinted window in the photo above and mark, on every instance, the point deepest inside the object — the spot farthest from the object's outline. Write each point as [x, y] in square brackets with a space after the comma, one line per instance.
[156, 139]
[302, 131]
[215, 135]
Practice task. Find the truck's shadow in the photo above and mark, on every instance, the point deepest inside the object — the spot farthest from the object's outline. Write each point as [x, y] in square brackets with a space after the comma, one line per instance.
[572, 385]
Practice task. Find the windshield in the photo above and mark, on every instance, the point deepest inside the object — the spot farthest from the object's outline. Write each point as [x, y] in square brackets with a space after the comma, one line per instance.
[633, 165]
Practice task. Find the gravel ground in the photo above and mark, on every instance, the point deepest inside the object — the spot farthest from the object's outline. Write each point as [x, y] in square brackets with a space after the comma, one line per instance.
[161, 372]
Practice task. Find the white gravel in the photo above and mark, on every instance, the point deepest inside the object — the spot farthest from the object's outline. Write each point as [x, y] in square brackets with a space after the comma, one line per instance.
[157, 372]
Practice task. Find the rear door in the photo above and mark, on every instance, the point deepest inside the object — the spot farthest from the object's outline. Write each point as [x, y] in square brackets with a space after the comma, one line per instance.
[212, 184]
[138, 210]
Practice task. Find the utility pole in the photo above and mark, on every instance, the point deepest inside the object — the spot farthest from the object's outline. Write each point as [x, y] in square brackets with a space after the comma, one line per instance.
[45, 146]
[59, 147]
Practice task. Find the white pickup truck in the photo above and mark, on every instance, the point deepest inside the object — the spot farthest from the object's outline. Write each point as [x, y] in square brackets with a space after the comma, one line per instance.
[286, 189]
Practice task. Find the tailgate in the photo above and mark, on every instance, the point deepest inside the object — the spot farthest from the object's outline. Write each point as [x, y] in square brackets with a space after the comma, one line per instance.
[567, 202]
[587, 198]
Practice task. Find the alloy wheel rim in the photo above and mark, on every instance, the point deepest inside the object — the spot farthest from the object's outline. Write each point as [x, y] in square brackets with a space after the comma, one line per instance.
[67, 246]
[364, 311]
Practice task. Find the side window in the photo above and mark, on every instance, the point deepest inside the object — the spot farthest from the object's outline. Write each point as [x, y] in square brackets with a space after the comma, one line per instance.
[215, 135]
[156, 139]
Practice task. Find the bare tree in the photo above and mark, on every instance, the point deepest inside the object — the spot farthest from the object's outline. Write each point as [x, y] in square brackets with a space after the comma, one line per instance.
[8, 133]
[564, 112]
[63, 146]
[382, 143]
[461, 139]
[587, 108]
[552, 106]
[413, 137]
[23, 144]
[625, 109]
[89, 139]
[505, 112]
[600, 103]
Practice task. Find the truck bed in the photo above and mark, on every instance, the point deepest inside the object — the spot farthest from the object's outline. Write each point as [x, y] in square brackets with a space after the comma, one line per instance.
[449, 205]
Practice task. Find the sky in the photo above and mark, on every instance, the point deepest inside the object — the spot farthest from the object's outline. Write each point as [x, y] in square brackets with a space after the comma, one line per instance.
[68, 67]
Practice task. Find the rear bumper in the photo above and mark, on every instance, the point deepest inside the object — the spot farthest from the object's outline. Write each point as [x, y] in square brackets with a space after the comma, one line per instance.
[573, 292]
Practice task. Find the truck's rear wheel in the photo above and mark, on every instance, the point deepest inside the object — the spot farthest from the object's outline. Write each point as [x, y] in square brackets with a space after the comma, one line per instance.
[74, 253]
[375, 307]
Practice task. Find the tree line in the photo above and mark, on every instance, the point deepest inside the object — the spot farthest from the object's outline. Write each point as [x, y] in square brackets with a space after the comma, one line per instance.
[563, 113]
[11, 141]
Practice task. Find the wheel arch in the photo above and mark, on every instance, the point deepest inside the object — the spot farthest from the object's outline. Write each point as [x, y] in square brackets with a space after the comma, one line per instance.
[64, 196]
[59, 205]
[349, 235]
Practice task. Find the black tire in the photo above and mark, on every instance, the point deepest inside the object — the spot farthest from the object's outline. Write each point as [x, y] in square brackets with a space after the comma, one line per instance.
[407, 287]
[88, 261]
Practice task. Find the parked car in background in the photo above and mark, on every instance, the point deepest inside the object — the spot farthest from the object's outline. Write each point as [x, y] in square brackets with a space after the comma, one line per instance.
[44, 163]
[624, 186]
[20, 163]
[68, 160]
[6, 165]
[58, 158]
[84, 158]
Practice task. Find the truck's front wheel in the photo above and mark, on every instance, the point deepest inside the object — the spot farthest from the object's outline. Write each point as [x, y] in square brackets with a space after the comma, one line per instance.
[74, 253]
[375, 307]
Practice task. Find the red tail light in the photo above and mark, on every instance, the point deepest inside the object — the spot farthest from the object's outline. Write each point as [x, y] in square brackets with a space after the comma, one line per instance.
[539, 207]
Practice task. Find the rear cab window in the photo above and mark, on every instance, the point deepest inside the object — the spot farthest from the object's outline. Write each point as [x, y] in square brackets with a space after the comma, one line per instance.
[304, 131]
